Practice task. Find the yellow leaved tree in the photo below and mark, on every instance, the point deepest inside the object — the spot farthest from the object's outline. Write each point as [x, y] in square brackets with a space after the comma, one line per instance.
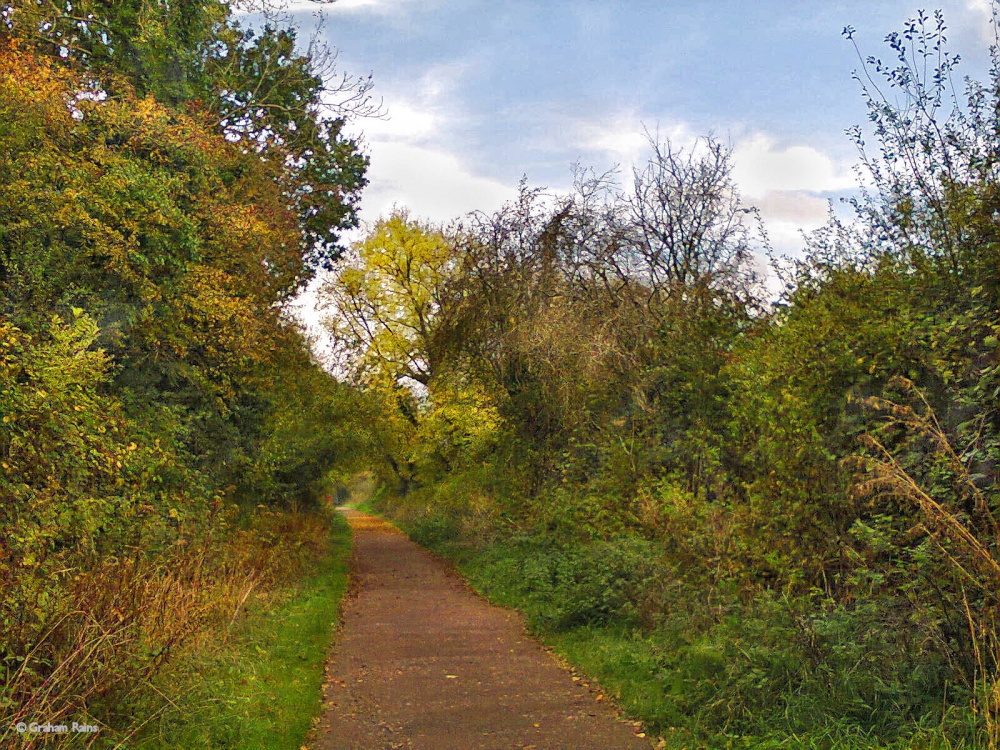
[396, 310]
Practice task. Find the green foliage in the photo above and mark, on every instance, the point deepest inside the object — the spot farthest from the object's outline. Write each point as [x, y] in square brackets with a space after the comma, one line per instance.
[563, 586]
[76, 485]
[792, 419]
[257, 89]
[779, 521]
[147, 375]
[176, 242]
[313, 424]
[387, 297]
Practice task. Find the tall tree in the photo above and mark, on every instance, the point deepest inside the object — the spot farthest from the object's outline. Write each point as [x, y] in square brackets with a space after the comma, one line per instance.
[255, 87]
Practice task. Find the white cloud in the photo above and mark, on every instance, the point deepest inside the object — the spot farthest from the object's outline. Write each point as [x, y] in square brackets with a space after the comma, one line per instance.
[622, 137]
[621, 140]
[799, 208]
[782, 181]
[353, 5]
[442, 80]
[403, 122]
[424, 113]
[982, 19]
[432, 183]
[761, 166]
[343, 6]
[414, 162]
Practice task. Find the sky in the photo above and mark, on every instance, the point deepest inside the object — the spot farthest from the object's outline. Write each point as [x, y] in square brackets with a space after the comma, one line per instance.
[479, 94]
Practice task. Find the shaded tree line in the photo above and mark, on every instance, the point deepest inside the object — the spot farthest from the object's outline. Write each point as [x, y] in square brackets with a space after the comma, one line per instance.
[168, 182]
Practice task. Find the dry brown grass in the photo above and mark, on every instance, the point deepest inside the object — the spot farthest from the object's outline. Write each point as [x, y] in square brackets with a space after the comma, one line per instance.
[129, 616]
[968, 539]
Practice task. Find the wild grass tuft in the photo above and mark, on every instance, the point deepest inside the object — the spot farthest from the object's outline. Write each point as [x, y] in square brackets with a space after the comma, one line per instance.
[133, 652]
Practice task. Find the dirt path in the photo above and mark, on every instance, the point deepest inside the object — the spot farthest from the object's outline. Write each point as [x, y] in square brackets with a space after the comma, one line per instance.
[421, 662]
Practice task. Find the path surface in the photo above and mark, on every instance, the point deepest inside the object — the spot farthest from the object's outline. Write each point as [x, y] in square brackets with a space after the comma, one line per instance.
[422, 662]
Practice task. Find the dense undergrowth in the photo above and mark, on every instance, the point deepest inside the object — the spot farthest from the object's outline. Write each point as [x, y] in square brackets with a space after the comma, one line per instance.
[764, 523]
[218, 644]
[711, 667]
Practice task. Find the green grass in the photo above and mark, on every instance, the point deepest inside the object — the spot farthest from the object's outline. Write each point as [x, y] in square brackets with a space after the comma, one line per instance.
[364, 506]
[679, 685]
[629, 666]
[261, 688]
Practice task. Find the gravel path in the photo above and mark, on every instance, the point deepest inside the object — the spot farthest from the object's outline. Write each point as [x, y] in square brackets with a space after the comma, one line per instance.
[422, 662]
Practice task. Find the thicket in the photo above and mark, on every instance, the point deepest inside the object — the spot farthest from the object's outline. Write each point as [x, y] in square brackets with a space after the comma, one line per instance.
[792, 504]
[168, 181]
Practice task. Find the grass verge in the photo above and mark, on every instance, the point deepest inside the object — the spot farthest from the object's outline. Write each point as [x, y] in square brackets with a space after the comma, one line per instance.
[706, 688]
[259, 685]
